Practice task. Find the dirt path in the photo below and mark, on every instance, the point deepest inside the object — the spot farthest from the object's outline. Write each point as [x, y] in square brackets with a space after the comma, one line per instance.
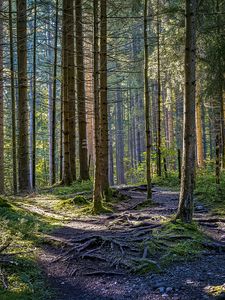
[88, 258]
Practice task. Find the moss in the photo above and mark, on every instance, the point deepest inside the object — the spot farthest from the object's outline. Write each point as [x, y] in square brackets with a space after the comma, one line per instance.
[4, 203]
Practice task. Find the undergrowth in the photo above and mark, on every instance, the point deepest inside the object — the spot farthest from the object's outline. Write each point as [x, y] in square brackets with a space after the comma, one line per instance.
[23, 232]
[173, 242]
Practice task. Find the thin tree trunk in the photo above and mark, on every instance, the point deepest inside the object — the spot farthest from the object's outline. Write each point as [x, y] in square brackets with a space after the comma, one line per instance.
[103, 96]
[83, 155]
[159, 168]
[33, 159]
[97, 194]
[13, 100]
[67, 178]
[1, 104]
[23, 144]
[147, 103]
[52, 163]
[185, 210]
[200, 157]
[71, 90]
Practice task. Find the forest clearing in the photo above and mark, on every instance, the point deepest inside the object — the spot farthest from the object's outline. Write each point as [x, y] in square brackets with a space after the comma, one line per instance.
[112, 149]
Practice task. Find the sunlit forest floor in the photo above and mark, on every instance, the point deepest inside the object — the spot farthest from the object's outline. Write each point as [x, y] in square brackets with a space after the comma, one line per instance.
[54, 248]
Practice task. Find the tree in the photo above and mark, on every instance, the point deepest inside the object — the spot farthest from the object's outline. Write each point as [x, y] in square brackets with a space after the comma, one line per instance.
[52, 139]
[67, 178]
[147, 106]
[13, 101]
[1, 104]
[103, 96]
[23, 144]
[33, 158]
[97, 193]
[185, 210]
[83, 155]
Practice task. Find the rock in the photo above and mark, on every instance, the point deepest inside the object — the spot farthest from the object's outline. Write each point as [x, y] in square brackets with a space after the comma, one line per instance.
[169, 290]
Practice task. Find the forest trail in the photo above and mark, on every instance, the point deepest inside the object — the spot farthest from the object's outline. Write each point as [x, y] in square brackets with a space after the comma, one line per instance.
[88, 258]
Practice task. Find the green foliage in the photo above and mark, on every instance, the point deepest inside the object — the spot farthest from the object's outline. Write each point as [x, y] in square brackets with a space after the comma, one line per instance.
[4, 203]
[210, 193]
[175, 242]
[172, 181]
[76, 187]
[23, 230]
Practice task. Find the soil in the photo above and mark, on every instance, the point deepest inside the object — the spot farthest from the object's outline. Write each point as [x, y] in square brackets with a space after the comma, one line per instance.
[76, 272]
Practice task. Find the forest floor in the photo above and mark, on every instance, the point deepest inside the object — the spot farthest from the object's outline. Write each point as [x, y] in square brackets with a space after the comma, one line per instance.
[95, 257]
[133, 252]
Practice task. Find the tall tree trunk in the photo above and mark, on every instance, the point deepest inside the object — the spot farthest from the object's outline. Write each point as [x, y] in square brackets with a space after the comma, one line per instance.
[111, 162]
[13, 100]
[103, 96]
[147, 104]
[83, 155]
[119, 138]
[97, 194]
[67, 178]
[159, 168]
[33, 159]
[200, 157]
[52, 140]
[1, 104]
[23, 144]
[71, 90]
[185, 210]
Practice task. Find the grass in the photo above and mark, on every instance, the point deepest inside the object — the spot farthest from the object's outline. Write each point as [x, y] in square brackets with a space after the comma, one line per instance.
[76, 187]
[23, 229]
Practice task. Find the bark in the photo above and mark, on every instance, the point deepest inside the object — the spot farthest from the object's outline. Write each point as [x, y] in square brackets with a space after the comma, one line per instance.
[111, 161]
[119, 138]
[200, 155]
[71, 90]
[1, 104]
[159, 168]
[67, 178]
[185, 210]
[83, 155]
[23, 139]
[33, 158]
[52, 141]
[13, 100]
[147, 104]
[103, 96]
[97, 194]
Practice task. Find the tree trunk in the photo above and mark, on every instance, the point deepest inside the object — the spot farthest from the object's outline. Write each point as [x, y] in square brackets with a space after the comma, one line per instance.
[147, 103]
[13, 100]
[83, 155]
[200, 157]
[103, 96]
[185, 210]
[119, 138]
[97, 194]
[23, 141]
[1, 104]
[159, 168]
[67, 178]
[71, 90]
[52, 141]
[33, 159]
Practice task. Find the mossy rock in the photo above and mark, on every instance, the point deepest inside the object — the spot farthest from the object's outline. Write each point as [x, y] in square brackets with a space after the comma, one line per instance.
[4, 203]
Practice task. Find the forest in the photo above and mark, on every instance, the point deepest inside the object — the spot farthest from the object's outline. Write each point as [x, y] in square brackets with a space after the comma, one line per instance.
[112, 149]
